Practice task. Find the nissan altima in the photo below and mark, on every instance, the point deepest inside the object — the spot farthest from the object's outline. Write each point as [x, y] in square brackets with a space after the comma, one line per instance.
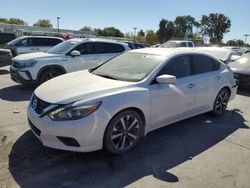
[116, 104]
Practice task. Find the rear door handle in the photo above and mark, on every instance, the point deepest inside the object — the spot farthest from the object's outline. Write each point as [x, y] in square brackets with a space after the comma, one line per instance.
[191, 85]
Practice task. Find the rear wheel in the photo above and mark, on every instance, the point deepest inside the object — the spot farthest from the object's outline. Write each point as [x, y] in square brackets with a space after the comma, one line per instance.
[123, 132]
[221, 101]
[49, 74]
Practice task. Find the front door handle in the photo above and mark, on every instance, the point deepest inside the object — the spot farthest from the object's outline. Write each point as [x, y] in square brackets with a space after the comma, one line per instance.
[191, 85]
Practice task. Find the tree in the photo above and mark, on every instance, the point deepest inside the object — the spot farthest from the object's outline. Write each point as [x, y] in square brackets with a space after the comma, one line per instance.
[215, 26]
[16, 21]
[109, 31]
[141, 33]
[166, 30]
[184, 26]
[86, 28]
[4, 20]
[43, 23]
[151, 37]
[235, 43]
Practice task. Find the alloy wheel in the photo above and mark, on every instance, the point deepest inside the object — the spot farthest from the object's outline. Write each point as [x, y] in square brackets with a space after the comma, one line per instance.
[125, 132]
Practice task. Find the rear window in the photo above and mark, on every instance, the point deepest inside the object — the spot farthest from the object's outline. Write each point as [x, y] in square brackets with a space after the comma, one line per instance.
[102, 47]
[44, 41]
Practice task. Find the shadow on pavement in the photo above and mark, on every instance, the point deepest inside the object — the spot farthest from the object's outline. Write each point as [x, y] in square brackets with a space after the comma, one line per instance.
[16, 93]
[4, 72]
[33, 165]
[244, 91]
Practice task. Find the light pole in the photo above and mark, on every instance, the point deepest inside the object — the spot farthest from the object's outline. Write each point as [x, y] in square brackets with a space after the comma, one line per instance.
[246, 35]
[58, 31]
[134, 32]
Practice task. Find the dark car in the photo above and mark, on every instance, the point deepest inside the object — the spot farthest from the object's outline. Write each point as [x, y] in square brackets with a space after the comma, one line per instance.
[6, 37]
[5, 57]
[134, 45]
[241, 69]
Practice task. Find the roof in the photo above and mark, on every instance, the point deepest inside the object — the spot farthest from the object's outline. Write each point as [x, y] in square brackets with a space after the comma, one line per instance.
[217, 52]
[35, 36]
[95, 40]
[163, 51]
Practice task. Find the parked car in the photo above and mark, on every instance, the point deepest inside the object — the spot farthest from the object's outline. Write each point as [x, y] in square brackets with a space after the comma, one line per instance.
[139, 45]
[224, 54]
[119, 102]
[241, 69]
[177, 43]
[5, 57]
[134, 45]
[71, 55]
[6, 37]
[28, 44]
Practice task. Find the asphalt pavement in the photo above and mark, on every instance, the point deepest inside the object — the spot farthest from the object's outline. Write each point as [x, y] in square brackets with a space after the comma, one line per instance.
[203, 151]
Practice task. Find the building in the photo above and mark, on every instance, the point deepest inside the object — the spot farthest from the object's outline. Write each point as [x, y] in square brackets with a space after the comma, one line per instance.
[22, 30]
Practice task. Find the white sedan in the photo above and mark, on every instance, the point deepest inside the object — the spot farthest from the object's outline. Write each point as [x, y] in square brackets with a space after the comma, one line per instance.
[116, 104]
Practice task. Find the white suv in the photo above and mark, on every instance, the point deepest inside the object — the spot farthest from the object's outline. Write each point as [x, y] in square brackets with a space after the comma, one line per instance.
[29, 44]
[68, 56]
[177, 43]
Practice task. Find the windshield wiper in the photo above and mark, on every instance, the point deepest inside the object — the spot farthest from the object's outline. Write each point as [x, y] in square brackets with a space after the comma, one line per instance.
[105, 76]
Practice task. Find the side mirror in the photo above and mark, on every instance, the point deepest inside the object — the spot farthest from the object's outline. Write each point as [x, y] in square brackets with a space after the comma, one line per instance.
[166, 79]
[75, 53]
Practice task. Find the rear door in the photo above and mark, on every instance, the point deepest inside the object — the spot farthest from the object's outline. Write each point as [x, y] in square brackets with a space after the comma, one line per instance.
[208, 80]
[107, 50]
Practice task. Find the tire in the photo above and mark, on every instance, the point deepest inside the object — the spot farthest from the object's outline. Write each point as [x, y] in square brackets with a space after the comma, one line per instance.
[49, 74]
[221, 101]
[123, 132]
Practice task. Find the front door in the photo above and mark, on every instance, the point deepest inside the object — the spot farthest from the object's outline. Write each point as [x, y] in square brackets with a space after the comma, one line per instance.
[170, 102]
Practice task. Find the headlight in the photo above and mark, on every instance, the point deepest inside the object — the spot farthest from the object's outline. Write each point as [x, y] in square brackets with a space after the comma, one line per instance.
[30, 63]
[73, 112]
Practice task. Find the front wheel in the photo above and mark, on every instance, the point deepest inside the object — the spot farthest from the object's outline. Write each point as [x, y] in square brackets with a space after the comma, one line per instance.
[49, 74]
[123, 132]
[221, 101]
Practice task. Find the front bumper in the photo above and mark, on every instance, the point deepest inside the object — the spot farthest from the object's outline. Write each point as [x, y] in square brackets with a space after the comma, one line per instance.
[21, 76]
[82, 135]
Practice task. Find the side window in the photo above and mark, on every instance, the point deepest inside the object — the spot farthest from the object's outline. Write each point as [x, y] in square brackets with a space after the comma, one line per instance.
[53, 42]
[179, 67]
[86, 48]
[190, 44]
[102, 48]
[37, 42]
[23, 42]
[203, 64]
[183, 44]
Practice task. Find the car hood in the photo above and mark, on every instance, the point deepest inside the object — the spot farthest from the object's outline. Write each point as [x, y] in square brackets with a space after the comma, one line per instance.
[240, 67]
[80, 85]
[35, 55]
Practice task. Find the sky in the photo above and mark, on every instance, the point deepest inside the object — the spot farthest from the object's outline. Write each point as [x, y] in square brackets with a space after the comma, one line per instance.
[127, 14]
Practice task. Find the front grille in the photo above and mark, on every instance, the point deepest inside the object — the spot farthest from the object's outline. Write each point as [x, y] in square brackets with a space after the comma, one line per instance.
[36, 130]
[39, 105]
[16, 65]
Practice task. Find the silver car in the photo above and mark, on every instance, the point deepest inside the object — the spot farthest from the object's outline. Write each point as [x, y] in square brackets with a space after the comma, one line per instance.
[241, 69]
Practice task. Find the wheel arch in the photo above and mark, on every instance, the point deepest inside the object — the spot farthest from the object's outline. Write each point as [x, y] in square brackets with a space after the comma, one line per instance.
[136, 109]
[48, 67]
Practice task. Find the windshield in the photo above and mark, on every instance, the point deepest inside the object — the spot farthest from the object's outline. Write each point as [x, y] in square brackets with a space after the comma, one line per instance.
[62, 47]
[130, 66]
[13, 42]
[170, 44]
